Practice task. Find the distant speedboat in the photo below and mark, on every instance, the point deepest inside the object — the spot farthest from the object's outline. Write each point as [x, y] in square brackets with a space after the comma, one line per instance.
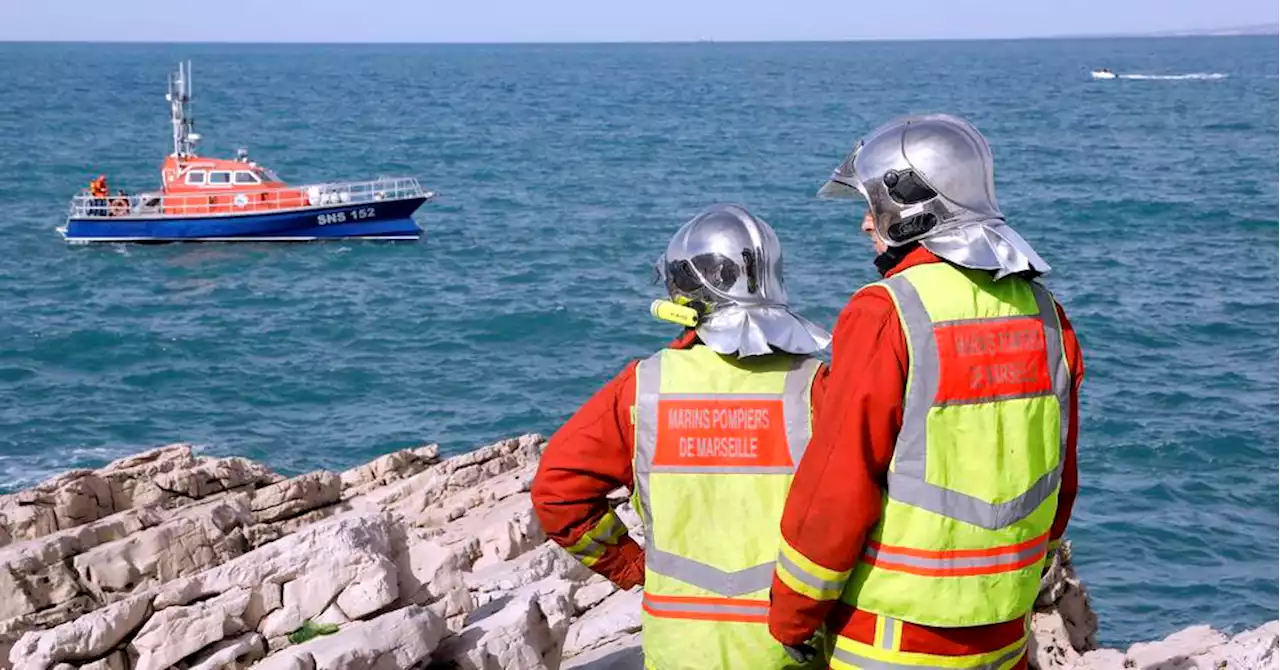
[234, 200]
[1104, 73]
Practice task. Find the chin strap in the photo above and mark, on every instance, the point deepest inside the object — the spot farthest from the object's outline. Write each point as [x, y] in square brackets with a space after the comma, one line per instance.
[894, 255]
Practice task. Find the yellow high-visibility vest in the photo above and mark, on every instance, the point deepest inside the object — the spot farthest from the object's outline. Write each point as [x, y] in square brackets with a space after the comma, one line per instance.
[717, 442]
[973, 486]
[972, 489]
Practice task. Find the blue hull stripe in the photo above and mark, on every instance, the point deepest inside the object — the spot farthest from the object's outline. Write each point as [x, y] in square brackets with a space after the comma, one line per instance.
[390, 218]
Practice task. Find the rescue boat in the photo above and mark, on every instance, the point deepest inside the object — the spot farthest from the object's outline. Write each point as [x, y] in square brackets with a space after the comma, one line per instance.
[234, 200]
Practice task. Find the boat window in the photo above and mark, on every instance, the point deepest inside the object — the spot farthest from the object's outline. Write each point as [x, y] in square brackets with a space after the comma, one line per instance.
[243, 177]
[219, 177]
[195, 177]
[268, 175]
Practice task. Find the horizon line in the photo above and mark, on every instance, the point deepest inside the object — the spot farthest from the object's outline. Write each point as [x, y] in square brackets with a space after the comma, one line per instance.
[1271, 31]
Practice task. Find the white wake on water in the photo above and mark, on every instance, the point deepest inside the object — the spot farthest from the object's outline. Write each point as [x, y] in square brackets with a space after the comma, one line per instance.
[1175, 77]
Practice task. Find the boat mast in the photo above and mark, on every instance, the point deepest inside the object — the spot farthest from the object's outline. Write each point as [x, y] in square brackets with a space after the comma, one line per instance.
[179, 97]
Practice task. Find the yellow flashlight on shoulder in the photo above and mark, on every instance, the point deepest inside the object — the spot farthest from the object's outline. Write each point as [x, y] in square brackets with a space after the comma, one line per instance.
[670, 311]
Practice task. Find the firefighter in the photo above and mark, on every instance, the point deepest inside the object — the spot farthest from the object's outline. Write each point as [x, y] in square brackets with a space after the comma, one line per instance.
[706, 434]
[942, 470]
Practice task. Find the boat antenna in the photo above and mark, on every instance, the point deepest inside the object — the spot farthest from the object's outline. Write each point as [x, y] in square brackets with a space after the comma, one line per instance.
[179, 97]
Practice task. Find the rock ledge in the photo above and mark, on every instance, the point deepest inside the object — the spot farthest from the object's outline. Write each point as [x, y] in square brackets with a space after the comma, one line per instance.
[170, 560]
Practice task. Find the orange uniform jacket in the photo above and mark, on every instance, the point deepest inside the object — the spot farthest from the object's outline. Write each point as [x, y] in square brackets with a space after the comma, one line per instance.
[590, 456]
[835, 498]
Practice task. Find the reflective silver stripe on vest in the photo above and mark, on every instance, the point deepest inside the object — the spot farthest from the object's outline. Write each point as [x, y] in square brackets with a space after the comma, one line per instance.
[795, 405]
[703, 576]
[1012, 556]
[745, 609]
[906, 480]
[859, 661]
[887, 632]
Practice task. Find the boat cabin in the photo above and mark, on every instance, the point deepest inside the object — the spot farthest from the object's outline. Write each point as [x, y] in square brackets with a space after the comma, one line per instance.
[198, 185]
[197, 174]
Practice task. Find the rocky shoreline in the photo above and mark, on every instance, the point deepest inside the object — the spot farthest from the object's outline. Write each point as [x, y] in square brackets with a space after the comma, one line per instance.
[169, 559]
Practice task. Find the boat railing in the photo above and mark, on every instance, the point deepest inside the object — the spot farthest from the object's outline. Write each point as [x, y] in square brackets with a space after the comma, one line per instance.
[231, 202]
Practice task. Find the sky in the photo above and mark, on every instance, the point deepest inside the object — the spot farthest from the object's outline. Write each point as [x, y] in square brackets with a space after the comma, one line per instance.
[606, 20]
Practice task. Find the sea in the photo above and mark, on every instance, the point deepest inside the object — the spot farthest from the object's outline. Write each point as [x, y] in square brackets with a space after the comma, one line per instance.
[562, 171]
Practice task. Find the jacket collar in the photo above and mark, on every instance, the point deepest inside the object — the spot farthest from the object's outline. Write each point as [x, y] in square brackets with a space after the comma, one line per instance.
[917, 256]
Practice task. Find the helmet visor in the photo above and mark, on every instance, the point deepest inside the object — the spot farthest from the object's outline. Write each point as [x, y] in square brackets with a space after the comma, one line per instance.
[708, 276]
[844, 182]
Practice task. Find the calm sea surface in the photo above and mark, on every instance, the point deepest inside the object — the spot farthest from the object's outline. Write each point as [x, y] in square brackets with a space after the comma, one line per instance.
[563, 170]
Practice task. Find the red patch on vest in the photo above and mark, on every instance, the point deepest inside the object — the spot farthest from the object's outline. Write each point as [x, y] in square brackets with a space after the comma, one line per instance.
[986, 360]
[722, 433]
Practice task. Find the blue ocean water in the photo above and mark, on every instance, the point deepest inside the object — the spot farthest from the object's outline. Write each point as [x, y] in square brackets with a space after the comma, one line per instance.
[563, 170]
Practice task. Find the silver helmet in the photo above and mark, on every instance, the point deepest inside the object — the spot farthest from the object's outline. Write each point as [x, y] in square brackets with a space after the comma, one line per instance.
[931, 178]
[727, 264]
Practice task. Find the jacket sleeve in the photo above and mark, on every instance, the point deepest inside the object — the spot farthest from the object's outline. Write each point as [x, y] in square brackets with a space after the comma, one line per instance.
[835, 497]
[584, 461]
[1070, 477]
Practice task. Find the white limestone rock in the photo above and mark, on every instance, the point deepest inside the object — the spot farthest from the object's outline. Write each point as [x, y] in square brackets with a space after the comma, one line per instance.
[548, 560]
[519, 635]
[624, 653]
[398, 640]
[1101, 659]
[429, 568]
[388, 468]
[1199, 647]
[616, 618]
[191, 540]
[175, 633]
[1050, 643]
[233, 653]
[516, 535]
[1176, 649]
[167, 477]
[1257, 648]
[418, 560]
[327, 556]
[1063, 625]
[116, 660]
[296, 496]
[87, 637]
[358, 582]
[593, 592]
